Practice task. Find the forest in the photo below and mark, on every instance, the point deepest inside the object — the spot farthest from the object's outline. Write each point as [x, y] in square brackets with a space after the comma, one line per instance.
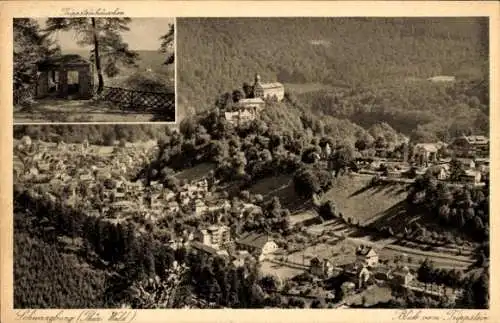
[371, 70]
[65, 258]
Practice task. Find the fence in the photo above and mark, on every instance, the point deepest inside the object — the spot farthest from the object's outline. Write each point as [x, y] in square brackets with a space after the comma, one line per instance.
[135, 100]
[24, 94]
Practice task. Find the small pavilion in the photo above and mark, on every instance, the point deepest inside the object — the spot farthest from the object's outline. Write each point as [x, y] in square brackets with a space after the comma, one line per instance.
[64, 76]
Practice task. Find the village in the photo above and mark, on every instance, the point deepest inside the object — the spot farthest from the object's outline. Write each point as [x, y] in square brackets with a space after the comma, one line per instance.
[325, 264]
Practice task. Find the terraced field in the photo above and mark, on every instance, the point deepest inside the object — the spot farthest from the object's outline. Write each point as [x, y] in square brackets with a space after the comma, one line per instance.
[282, 187]
[354, 197]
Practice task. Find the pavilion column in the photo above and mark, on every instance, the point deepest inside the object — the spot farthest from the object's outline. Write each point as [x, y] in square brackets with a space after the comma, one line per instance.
[43, 84]
[84, 83]
[63, 83]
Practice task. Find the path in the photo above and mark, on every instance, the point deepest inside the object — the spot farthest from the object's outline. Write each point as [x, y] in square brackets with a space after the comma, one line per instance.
[61, 110]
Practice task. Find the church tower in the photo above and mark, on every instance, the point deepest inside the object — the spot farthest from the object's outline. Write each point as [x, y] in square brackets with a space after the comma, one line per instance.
[258, 91]
[257, 79]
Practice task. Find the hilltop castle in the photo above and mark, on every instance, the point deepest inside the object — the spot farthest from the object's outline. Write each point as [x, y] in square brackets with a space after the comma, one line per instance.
[268, 90]
[248, 109]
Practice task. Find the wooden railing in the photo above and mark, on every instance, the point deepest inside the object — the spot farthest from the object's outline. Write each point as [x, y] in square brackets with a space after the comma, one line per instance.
[140, 100]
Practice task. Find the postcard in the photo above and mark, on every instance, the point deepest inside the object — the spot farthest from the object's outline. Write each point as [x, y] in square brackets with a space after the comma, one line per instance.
[246, 161]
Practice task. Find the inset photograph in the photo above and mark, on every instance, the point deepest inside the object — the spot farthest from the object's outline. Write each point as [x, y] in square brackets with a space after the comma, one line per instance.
[93, 70]
[330, 163]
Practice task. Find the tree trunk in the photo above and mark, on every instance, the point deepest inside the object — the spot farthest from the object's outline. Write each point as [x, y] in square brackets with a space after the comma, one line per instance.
[97, 58]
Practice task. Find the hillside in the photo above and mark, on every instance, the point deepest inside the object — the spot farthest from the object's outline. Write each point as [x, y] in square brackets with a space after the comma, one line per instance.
[326, 50]
[344, 66]
[354, 197]
[95, 134]
[52, 274]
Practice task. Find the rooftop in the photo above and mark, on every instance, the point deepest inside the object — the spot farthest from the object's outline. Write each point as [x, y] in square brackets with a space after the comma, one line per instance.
[251, 100]
[271, 85]
[255, 240]
[430, 147]
[365, 251]
[62, 60]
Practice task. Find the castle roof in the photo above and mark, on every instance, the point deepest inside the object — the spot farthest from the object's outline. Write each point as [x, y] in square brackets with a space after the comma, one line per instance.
[273, 85]
[251, 101]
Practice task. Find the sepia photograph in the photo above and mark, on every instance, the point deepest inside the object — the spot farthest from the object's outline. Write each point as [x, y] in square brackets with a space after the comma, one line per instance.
[93, 70]
[326, 163]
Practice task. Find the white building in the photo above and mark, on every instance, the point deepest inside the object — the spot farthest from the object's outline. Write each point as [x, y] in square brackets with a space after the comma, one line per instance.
[260, 245]
[268, 90]
[214, 236]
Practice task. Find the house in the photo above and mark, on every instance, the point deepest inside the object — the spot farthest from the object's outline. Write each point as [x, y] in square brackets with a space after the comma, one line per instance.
[268, 90]
[43, 167]
[471, 177]
[321, 267]
[468, 163]
[156, 201]
[366, 256]
[232, 117]
[118, 196]
[33, 171]
[221, 205]
[254, 105]
[86, 177]
[424, 153]
[214, 236]
[363, 275]
[441, 172]
[470, 146]
[482, 161]
[483, 165]
[442, 78]
[156, 185]
[401, 277]
[326, 151]
[202, 185]
[135, 186]
[203, 248]
[173, 207]
[246, 116]
[348, 288]
[185, 201]
[240, 258]
[240, 116]
[358, 274]
[250, 208]
[260, 245]
[200, 208]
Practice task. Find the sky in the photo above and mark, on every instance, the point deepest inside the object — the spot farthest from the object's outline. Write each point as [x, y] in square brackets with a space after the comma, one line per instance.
[144, 34]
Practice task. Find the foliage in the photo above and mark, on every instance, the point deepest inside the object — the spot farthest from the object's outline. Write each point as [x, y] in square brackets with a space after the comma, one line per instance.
[309, 181]
[31, 45]
[95, 134]
[104, 34]
[45, 277]
[167, 44]
[465, 208]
